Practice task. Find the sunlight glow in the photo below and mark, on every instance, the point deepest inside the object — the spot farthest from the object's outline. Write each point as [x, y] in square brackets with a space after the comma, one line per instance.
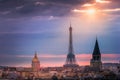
[91, 11]
[98, 0]
[88, 11]
[87, 5]
[93, 20]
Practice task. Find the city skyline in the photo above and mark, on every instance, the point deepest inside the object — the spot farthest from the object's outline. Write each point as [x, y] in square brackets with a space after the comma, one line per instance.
[27, 26]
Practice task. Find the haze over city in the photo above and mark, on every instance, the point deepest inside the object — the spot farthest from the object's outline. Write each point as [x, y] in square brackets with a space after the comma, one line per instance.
[27, 26]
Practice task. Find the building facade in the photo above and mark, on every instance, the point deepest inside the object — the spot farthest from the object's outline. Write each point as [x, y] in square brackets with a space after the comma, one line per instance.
[35, 63]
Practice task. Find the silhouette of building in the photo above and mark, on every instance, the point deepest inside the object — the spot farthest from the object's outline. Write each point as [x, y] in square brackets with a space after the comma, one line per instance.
[95, 62]
[35, 63]
[118, 67]
[71, 60]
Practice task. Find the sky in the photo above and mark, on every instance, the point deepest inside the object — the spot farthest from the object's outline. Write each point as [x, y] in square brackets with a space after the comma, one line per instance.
[27, 26]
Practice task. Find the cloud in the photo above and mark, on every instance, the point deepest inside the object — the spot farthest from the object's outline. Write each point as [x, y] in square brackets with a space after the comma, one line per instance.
[57, 8]
[19, 7]
[111, 10]
[103, 1]
[4, 12]
[39, 3]
[100, 6]
[98, 10]
[88, 5]
[28, 8]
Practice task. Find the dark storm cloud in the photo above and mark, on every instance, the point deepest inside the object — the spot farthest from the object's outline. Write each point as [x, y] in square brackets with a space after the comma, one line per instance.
[21, 8]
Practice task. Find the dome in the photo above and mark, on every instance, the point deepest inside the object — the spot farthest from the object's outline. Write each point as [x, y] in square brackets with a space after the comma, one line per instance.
[35, 59]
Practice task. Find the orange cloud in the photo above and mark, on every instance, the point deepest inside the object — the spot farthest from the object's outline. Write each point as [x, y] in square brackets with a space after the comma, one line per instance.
[111, 10]
[97, 10]
[102, 1]
[88, 5]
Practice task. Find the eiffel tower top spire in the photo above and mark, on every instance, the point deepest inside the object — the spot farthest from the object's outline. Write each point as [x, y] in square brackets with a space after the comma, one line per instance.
[70, 40]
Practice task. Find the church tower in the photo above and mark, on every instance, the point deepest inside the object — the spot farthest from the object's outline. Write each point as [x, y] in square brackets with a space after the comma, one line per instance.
[95, 62]
[70, 61]
[35, 63]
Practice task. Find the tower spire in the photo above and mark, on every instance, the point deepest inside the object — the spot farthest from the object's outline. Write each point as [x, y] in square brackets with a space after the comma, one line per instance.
[96, 48]
[96, 62]
[70, 40]
[35, 54]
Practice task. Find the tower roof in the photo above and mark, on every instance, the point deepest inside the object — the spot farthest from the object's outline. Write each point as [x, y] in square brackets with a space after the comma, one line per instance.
[35, 59]
[96, 48]
[35, 55]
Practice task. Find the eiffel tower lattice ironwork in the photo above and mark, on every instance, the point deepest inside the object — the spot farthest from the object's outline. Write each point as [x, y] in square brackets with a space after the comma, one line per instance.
[71, 60]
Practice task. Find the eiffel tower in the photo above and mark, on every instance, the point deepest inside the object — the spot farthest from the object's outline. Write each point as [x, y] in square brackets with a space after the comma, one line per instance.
[70, 61]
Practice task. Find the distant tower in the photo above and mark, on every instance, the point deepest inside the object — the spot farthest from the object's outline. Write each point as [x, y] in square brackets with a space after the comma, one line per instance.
[95, 62]
[35, 63]
[70, 61]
